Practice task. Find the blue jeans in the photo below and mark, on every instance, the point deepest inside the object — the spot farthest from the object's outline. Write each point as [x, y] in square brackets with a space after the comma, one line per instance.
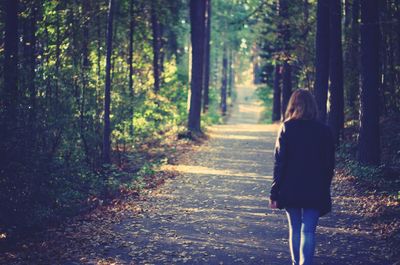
[302, 225]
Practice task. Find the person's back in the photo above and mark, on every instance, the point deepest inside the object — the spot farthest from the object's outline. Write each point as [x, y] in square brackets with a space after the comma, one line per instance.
[308, 164]
[303, 170]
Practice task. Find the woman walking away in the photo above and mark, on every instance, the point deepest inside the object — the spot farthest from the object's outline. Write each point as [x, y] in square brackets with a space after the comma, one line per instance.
[303, 171]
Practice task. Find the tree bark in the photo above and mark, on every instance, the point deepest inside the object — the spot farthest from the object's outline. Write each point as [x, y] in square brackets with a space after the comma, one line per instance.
[230, 73]
[336, 98]
[286, 86]
[322, 58]
[368, 139]
[347, 12]
[276, 108]
[32, 67]
[155, 24]
[224, 81]
[354, 59]
[10, 90]
[207, 57]
[287, 69]
[130, 62]
[107, 88]
[58, 51]
[197, 23]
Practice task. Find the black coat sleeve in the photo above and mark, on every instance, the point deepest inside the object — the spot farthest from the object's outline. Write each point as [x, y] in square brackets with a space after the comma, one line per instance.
[279, 162]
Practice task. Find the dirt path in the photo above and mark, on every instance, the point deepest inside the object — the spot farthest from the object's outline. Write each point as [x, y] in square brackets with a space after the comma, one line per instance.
[214, 212]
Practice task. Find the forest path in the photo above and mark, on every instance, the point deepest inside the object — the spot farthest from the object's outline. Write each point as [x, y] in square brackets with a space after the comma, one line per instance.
[216, 210]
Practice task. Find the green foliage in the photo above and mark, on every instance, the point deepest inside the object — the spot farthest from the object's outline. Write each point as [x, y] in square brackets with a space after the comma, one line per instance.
[213, 115]
[351, 167]
[265, 94]
[54, 163]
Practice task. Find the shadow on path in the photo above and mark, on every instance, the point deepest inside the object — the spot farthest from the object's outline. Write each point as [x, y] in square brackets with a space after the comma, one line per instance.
[216, 211]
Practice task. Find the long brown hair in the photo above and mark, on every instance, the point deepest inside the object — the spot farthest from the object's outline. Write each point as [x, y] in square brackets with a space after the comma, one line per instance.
[301, 106]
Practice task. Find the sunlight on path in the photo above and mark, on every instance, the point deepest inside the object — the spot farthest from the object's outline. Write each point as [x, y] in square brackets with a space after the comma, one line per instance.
[216, 211]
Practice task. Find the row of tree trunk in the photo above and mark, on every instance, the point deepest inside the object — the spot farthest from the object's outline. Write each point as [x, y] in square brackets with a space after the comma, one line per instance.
[329, 71]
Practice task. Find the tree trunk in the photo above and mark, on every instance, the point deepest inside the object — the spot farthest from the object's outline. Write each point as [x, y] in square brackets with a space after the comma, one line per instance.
[85, 73]
[287, 69]
[286, 86]
[130, 62]
[336, 100]
[322, 58]
[10, 89]
[347, 13]
[107, 88]
[353, 76]
[155, 25]
[368, 140]
[276, 108]
[58, 51]
[32, 67]
[207, 57]
[224, 80]
[197, 23]
[230, 73]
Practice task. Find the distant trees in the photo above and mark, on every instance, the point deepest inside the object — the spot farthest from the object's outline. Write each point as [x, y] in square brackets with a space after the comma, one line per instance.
[224, 80]
[276, 107]
[207, 55]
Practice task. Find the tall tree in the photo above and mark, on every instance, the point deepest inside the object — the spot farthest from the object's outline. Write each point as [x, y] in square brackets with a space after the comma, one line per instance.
[287, 69]
[31, 67]
[224, 81]
[352, 69]
[197, 23]
[130, 61]
[322, 58]
[231, 76]
[155, 25]
[207, 57]
[336, 100]
[11, 181]
[276, 107]
[286, 86]
[107, 88]
[368, 139]
[10, 91]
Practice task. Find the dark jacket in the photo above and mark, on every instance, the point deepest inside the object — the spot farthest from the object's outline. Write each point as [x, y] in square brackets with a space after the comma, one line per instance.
[304, 164]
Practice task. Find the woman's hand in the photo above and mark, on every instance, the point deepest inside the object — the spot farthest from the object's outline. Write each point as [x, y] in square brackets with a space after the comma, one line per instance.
[273, 204]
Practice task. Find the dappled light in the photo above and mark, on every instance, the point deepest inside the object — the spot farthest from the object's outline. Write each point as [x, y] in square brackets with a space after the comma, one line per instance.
[210, 171]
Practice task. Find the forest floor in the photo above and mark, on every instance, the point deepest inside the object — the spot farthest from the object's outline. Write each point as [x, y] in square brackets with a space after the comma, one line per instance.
[213, 210]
